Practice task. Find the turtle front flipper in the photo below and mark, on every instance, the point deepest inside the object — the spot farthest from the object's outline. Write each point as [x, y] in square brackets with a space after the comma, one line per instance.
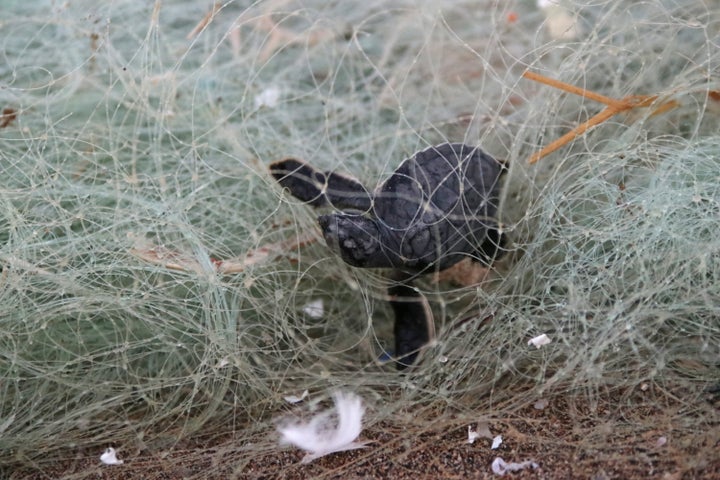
[414, 323]
[318, 188]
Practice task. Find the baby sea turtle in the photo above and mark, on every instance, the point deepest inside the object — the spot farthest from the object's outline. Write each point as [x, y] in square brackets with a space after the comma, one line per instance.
[437, 208]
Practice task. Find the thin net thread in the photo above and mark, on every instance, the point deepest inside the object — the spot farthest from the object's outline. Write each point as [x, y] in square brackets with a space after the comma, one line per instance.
[137, 162]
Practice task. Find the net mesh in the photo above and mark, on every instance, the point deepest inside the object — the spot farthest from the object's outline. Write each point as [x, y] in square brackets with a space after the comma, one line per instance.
[157, 284]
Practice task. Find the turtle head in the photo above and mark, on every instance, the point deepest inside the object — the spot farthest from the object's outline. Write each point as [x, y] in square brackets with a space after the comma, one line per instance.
[357, 239]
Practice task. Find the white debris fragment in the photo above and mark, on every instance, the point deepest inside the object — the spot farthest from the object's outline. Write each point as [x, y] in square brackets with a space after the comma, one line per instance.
[110, 457]
[320, 437]
[483, 431]
[472, 435]
[501, 467]
[295, 398]
[315, 309]
[268, 98]
[560, 24]
[224, 362]
[497, 441]
[661, 441]
[540, 404]
[539, 341]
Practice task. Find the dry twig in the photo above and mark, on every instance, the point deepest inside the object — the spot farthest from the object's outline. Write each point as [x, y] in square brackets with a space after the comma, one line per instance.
[174, 260]
[613, 108]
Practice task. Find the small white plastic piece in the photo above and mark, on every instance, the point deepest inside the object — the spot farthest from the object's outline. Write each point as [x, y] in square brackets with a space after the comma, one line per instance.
[472, 435]
[501, 467]
[539, 341]
[295, 398]
[559, 22]
[315, 309]
[268, 98]
[109, 457]
[483, 431]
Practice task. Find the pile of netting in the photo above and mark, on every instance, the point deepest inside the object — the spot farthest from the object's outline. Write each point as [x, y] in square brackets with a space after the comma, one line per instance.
[155, 282]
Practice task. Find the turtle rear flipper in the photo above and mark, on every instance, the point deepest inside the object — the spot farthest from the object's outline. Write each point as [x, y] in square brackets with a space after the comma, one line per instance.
[414, 323]
[318, 188]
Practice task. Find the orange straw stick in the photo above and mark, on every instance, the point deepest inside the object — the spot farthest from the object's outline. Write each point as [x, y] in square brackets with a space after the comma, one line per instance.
[613, 108]
[570, 88]
[606, 114]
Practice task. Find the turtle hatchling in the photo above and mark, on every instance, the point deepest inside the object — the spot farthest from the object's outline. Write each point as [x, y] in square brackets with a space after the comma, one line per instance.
[437, 207]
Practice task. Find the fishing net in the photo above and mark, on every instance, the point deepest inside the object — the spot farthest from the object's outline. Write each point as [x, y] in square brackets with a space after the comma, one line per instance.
[157, 285]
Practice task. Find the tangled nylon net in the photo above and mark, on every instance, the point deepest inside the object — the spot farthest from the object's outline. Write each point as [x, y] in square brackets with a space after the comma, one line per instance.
[155, 282]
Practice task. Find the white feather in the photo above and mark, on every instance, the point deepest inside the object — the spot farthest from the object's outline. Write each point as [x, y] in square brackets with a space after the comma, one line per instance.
[319, 437]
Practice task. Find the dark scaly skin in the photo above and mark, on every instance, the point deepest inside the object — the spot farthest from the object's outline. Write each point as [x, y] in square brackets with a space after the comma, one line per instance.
[437, 208]
[414, 324]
